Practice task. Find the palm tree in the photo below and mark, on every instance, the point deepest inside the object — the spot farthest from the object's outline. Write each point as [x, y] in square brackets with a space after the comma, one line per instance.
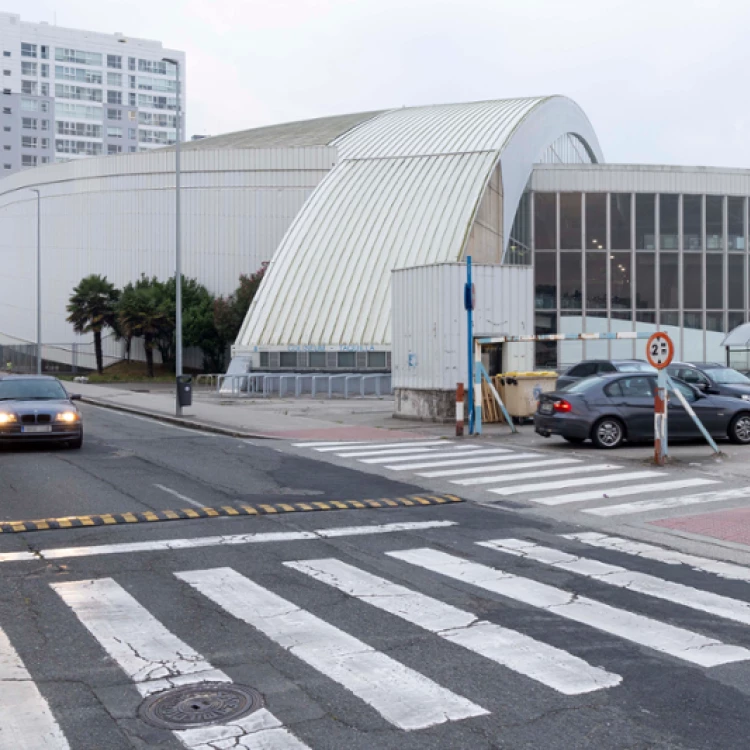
[142, 313]
[92, 308]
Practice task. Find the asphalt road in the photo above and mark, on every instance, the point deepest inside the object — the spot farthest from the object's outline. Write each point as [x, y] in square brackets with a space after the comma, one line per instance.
[479, 647]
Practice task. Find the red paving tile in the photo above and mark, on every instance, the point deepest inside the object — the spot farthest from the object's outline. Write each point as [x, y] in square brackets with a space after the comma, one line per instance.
[347, 433]
[728, 525]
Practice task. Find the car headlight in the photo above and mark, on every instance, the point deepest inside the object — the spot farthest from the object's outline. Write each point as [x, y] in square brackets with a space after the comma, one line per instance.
[745, 396]
[67, 416]
[6, 418]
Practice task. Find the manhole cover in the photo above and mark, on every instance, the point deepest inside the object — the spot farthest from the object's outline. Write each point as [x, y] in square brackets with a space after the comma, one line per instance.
[199, 705]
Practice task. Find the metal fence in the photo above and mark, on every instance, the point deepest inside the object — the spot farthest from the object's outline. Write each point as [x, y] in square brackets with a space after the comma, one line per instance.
[315, 385]
[64, 359]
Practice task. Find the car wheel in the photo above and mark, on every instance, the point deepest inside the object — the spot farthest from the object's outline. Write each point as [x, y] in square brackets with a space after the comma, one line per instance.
[77, 443]
[739, 429]
[608, 433]
[574, 440]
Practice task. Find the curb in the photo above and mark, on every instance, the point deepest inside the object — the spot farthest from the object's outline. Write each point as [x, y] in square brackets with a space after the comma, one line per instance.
[168, 419]
[184, 514]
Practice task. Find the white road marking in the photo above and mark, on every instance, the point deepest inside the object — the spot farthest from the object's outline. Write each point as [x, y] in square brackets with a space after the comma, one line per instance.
[461, 450]
[722, 569]
[26, 722]
[168, 545]
[406, 698]
[487, 455]
[385, 454]
[633, 489]
[551, 666]
[179, 496]
[663, 503]
[396, 445]
[533, 458]
[630, 580]
[155, 659]
[535, 472]
[659, 636]
[17, 557]
[563, 483]
[332, 445]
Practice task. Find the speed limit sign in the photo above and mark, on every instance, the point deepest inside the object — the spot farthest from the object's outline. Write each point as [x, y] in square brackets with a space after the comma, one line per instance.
[659, 350]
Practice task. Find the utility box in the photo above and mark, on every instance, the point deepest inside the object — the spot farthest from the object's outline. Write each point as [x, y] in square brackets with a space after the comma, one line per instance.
[430, 337]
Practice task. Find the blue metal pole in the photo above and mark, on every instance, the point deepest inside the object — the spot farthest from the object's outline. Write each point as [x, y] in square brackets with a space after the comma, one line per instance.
[470, 343]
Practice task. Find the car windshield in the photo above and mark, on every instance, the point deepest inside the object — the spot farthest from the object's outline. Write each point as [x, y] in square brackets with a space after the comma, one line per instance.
[635, 367]
[728, 376]
[581, 386]
[31, 390]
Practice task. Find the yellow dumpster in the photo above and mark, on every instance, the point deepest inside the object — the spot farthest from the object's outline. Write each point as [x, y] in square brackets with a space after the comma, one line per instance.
[521, 390]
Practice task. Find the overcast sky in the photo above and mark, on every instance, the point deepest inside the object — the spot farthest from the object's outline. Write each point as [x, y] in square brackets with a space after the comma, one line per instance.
[663, 81]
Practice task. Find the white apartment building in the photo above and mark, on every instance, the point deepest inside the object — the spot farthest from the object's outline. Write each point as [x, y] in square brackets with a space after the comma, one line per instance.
[68, 94]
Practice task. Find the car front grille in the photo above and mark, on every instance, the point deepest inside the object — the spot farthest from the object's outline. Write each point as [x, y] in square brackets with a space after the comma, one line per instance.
[36, 418]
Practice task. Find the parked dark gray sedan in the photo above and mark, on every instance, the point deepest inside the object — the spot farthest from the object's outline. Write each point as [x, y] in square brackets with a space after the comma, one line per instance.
[38, 408]
[601, 367]
[609, 409]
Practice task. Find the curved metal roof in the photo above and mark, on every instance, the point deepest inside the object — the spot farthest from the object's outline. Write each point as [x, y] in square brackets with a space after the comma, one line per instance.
[405, 192]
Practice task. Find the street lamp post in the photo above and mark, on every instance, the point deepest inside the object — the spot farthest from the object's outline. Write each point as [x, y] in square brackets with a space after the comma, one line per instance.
[178, 243]
[38, 281]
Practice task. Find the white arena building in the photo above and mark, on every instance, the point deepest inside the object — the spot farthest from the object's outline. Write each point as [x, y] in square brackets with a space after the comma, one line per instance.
[338, 204]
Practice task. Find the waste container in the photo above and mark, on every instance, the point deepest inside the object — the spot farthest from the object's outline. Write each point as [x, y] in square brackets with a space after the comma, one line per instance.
[185, 390]
[522, 390]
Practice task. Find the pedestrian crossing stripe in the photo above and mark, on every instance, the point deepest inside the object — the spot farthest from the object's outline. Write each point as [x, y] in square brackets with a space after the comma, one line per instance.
[108, 519]
[153, 658]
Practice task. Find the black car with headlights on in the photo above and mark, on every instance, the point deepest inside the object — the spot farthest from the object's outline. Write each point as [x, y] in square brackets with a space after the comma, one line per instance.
[610, 409]
[38, 408]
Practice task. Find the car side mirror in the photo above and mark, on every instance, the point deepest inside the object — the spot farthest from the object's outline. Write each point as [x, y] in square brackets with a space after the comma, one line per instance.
[75, 397]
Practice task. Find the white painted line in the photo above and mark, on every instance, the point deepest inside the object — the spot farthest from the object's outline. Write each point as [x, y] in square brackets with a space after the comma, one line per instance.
[385, 454]
[406, 698]
[17, 557]
[664, 503]
[169, 545]
[564, 483]
[535, 472]
[631, 580]
[534, 457]
[722, 569]
[155, 659]
[551, 666]
[461, 450]
[332, 446]
[634, 489]
[395, 445]
[179, 496]
[26, 722]
[659, 636]
[486, 457]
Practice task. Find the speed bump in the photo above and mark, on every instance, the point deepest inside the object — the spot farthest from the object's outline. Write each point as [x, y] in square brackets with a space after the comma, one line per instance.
[242, 509]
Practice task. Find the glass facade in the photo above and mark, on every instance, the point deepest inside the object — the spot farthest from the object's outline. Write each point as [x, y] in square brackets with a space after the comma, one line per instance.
[631, 261]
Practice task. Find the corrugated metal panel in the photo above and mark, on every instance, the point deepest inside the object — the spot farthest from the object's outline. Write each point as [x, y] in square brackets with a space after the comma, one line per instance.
[330, 280]
[641, 178]
[429, 348]
[405, 193]
[115, 216]
[437, 129]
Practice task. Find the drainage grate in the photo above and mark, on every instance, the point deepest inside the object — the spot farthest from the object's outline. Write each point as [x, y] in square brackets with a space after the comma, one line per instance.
[191, 706]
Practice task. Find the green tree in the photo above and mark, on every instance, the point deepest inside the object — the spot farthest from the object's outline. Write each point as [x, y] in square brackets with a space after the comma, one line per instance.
[230, 312]
[143, 312]
[92, 307]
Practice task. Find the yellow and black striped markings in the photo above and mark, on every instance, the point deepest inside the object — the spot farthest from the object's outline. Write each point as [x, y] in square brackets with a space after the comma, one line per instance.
[259, 509]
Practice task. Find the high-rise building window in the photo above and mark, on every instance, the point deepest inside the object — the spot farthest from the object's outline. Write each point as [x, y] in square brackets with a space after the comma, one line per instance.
[28, 50]
[29, 88]
[78, 56]
[114, 97]
[114, 61]
[545, 220]
[645, 221]
[570, 221]
[596, 221]
[692, 222]
[29, 123]
[669, 225]
[114, 114]
[545, 280]
[736, 223]
[715, 222]
[6, 53]
[27, 68]
[114, 79]
[596, 280]
[619, 207]
[6, 72]
[27, 160]
[131, 63]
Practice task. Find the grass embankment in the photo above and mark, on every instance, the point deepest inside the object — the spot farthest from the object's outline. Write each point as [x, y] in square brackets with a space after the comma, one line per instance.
[128, 372]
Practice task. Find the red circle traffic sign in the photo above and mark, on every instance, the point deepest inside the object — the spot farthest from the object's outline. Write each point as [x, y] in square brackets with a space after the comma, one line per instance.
[659, 350]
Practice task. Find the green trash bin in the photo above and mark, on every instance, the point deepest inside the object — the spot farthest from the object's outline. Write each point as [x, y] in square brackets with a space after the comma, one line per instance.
[522, 391]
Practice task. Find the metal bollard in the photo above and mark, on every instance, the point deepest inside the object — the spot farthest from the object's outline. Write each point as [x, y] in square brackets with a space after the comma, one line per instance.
[459, 410]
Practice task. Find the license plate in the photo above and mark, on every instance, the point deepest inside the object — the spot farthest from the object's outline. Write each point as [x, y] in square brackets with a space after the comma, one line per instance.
[37, 428]
[546, 408]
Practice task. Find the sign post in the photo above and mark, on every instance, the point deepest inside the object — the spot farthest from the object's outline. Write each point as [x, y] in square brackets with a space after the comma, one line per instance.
[469, 307]
[659, 353]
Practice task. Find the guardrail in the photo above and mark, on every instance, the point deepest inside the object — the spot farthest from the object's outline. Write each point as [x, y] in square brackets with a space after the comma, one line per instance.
[281, 384]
